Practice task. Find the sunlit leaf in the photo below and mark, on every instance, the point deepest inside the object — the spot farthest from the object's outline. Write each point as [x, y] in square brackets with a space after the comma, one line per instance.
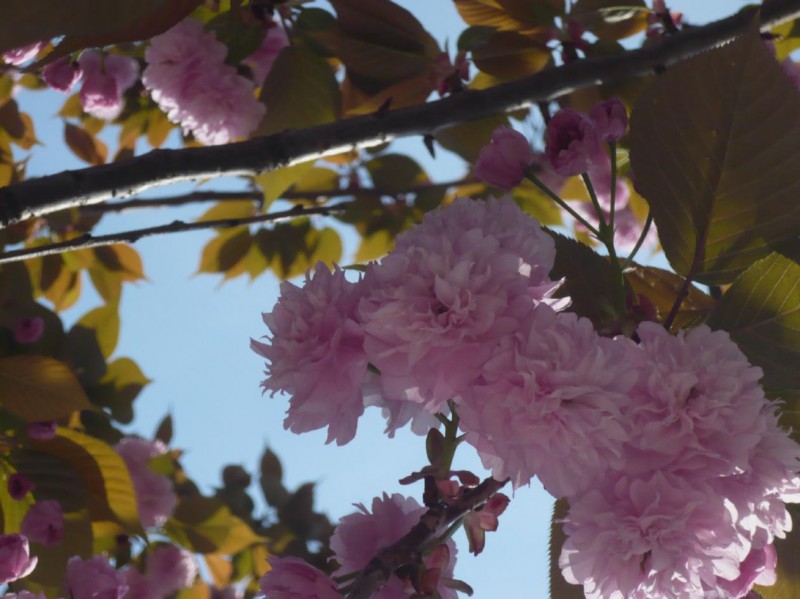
[123, 259]
[104, 321]
[300, 91]
[275, 183]
[508, 55]
[119, 387]
[761, 311]
[229, 210]
[84, 145]
[661, 287]
[207, 526]
[38, 388]
[467, 139]
[720, 206]
[395, 173]
[225, 250]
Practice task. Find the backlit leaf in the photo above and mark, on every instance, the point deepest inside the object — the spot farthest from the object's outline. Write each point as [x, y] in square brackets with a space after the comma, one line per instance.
[208, 526]
[104, 321]
[225, 250]
[761, 311]
[275, 183]
[508, 55]
[38, 388]
[86, 23]
[119, 387]
[720, 206]
[84, 145]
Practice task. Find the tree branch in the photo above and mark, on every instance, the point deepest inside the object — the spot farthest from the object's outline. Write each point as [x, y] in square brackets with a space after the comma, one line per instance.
[44, 195]
[90, 241]
[231, 196]
[402, 553]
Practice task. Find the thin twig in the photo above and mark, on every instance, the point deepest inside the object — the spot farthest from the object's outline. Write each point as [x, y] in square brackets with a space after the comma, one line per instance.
[251, 195]
[44, 195]
[91, 241]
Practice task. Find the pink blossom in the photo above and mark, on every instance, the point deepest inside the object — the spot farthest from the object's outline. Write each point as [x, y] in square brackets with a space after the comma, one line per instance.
[188, 78]
[94, 578]
[448, 77]
[42, 431]
[482, 520]
[550, 403]
[155, 498]
[62, 74]
[19, 485]
[15, 559]
[170, 569]
[139, 586]
[293, 578]
[502, 162]
[659, 536]
[44, 523]
[610, 119]
[697, 407]
[757, 568]
[315, 353]
[28, 329]
[22, 55]
[454, 285]
[361, 535]
[106, 78]
[572, 144]
[261, 61]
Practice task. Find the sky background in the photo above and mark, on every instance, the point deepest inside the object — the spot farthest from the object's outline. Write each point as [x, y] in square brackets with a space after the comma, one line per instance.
[191, 337]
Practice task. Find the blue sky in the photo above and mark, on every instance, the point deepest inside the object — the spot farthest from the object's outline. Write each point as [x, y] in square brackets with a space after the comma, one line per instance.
[191, 336]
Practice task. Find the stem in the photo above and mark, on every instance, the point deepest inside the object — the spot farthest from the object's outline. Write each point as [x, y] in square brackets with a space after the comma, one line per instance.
[612, 147]
[529, 174]
[639, 241]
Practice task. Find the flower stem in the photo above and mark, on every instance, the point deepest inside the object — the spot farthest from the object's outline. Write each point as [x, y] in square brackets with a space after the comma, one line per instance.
[553, 196]
[639, 241]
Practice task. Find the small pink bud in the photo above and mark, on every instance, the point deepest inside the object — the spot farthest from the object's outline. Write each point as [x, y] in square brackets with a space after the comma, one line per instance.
[479, 521]
[62, 74]
[44, 523]
[448, 489]
[502, 162]
[28, 329]
[19, 485]
[610, 119]
[571, 142]
[42, 431]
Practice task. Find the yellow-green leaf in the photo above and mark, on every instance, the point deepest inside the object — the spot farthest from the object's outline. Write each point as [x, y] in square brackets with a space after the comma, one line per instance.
[38, 388]
[718, 205]
[84, 145]
[208, 526]
[274, 183]
[104, 321]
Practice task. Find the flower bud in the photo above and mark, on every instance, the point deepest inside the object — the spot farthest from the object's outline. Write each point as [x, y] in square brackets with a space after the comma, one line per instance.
[502, 162]
[571, 142]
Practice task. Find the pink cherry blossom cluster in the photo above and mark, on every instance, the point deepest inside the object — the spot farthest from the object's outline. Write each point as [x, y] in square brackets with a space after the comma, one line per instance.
[666, 447]
[106, 77]
[357, 540]
[188, 78]
[426, 317]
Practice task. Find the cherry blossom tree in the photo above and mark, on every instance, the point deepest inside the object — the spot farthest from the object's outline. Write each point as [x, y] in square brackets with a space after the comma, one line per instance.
[502, 313]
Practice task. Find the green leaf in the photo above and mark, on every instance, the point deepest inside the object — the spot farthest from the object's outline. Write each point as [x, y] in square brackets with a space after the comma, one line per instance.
[275, 183]
[560, 588]
[119, 387]
[292, 248]
[38, 388]
[508, 55]
[206, 525]
[229, 209]
[225, 251]
[84, 145]
[86, 23]
[467, 139]
[374, 246]
[122, 259]
[104, 321]
[761, 311]
[589, 281]
[57, 464]
[300, 91]
[661, 287]
[720, 206]
[395, 173]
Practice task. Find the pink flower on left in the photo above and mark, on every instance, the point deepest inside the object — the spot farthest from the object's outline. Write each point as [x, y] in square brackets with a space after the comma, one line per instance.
[155, 498]
[502, 162]
[316, 354]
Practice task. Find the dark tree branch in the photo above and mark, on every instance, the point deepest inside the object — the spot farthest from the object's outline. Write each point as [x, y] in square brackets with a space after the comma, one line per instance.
[231, 196]
[91, 241]
[402, 553]
[44, 195]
